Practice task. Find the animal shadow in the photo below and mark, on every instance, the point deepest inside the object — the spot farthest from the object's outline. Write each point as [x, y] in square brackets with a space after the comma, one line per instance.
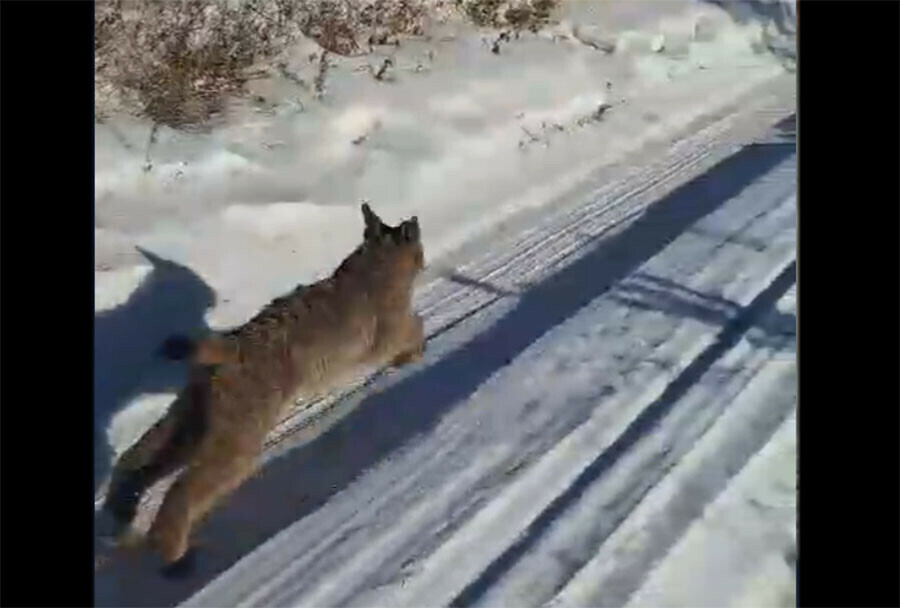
[172, 299]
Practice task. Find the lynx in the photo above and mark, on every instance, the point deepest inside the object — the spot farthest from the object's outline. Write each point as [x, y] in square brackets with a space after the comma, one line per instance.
[242, 381]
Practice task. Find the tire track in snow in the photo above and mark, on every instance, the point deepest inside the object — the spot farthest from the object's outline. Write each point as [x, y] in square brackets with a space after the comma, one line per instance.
[545, 305]
[444, 575]
[438, 588]
[534, 254]
[632, 511]
[742, 550]
[549, 488]
[582, 230]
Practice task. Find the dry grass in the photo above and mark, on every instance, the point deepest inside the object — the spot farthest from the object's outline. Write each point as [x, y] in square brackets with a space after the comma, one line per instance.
[509, 14]
[176, 61]
[179, 61]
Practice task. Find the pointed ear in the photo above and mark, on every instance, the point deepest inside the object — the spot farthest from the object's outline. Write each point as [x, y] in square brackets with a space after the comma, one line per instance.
[374, 226]
[157, 262]
[410, 230]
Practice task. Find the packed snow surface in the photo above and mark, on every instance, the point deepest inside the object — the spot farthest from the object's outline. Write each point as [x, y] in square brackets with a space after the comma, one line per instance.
[605, 414]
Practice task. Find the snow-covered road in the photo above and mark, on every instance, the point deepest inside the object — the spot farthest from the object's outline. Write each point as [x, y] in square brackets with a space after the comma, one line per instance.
[605, 414]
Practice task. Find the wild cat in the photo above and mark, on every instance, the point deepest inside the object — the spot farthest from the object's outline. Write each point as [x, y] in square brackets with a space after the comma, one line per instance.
[242, 381]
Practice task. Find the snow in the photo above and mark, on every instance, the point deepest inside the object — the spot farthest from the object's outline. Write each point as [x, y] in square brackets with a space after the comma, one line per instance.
[677, 508]
[602, 328]
[745, 541]
[461, 175]
[529, 453]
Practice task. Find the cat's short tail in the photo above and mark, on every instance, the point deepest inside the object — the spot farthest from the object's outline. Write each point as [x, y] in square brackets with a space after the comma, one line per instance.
[212, 350]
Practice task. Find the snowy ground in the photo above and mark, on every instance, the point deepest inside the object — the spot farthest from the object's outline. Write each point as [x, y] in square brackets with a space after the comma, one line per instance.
[604, 416]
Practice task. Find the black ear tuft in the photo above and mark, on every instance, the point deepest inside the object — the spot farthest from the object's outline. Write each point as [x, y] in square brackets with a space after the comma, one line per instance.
[374, 226]
[410, 230]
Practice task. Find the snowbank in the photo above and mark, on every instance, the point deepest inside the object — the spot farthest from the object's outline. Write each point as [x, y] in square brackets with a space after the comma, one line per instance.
[460, 136]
